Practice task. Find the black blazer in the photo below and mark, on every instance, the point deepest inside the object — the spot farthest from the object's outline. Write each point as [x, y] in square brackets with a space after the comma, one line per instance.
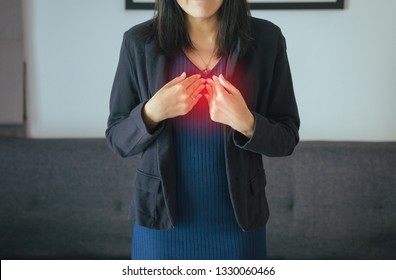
[263, 77]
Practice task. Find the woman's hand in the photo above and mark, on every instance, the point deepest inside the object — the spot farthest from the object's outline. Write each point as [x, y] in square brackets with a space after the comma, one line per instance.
[227, 106]
[176, 98]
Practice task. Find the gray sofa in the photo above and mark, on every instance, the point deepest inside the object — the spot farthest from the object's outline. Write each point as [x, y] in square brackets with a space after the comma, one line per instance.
[69, 198]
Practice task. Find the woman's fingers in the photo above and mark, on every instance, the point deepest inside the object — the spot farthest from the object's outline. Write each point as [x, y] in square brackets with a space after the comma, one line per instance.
[196, 87]
[218, 86]
[187, 86]
[209, 90]
[176, 80]
[190, 81]
[227, 85]
[197, 92]
[194, 100]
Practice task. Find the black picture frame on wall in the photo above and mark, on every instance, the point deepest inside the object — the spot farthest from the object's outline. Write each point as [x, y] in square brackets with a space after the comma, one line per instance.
[257, 4]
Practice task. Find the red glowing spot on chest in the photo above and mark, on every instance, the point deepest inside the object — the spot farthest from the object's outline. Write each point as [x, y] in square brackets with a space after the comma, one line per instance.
[201, 109]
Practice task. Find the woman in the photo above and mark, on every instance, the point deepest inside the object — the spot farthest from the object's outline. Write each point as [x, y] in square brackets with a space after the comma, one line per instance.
[202, 91]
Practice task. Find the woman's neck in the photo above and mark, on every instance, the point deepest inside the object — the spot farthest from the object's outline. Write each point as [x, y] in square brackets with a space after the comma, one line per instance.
[203, 32]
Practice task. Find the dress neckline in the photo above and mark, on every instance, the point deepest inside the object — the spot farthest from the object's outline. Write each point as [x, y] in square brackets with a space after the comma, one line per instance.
[203, 72]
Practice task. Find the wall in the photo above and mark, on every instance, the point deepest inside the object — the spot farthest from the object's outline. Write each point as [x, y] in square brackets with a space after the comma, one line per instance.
[11, 63]
[343, 64]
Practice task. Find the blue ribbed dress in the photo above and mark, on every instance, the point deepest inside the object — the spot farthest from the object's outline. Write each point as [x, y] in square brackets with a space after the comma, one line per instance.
[206, 227]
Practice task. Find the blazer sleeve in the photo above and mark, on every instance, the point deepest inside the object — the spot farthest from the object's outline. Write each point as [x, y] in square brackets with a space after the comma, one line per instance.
[275, 130]
[126, 132]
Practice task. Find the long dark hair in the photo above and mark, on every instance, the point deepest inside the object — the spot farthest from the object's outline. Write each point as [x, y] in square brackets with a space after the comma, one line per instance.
[171, 29]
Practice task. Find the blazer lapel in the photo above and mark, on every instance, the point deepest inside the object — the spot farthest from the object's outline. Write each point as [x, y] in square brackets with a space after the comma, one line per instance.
[156, 62]
[232, 61]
